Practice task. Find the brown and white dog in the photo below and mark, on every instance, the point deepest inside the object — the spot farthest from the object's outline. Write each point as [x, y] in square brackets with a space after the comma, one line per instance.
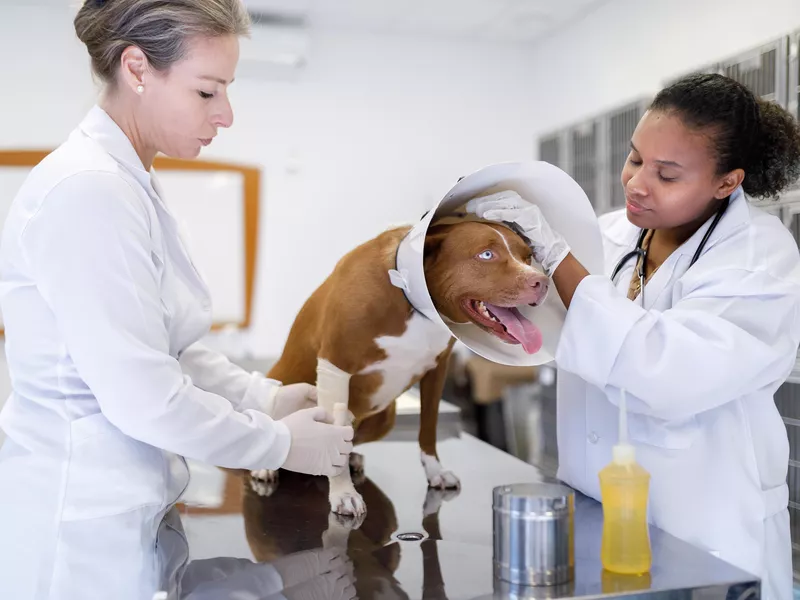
[359, 332]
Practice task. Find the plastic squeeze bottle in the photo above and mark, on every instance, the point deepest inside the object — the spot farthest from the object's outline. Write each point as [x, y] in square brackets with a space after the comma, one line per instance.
[624, 487]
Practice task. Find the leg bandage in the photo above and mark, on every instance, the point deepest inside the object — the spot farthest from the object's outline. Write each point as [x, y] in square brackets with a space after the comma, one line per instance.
[333, 394]
[333, 387]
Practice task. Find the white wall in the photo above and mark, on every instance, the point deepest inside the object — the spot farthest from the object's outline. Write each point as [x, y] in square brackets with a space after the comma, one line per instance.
[628, 48]
[372, 134]
[377, 129]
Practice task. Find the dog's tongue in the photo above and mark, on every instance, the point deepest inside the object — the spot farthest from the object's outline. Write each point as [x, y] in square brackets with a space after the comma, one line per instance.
[519, 327]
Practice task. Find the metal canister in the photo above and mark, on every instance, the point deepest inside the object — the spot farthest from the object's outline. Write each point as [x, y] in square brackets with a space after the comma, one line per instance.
[534, 541]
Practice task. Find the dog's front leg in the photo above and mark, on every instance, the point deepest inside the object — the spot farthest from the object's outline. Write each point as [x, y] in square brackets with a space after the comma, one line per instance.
[430, 388]
[333, 388]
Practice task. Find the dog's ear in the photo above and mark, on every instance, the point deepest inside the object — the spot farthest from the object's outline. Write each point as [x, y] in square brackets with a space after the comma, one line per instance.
[433, 241]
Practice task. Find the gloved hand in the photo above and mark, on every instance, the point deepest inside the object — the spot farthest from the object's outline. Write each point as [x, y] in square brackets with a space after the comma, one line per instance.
[302, 566]
[293, 397]
[339, 584]
[317, 447]
[549, 247]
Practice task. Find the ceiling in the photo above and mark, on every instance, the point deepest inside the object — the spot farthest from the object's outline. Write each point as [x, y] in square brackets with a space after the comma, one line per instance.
[494, 20]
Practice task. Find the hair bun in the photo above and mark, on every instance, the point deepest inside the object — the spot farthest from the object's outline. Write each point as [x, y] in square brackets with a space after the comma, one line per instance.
[161, 29]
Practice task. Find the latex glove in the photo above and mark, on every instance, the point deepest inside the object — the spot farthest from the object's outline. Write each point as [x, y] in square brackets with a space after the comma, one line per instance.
[302, 566]
[293, 397]
[339, 584]
[317, 447]
[549, 247]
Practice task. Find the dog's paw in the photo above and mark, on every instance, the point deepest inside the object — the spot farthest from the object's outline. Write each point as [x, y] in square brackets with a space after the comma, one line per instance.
[264, 482]
[348, 502]
[437, 476]
[265, 475]
[445, 480]
[356, 463]
[338, 532]
[434, 499]
[348, 522]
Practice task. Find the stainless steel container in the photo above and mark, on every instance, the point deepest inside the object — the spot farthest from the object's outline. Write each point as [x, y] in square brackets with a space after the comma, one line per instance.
[534, 533]
[517, 591]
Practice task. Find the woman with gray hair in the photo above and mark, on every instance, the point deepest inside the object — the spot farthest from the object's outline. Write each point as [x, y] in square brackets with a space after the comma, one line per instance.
[104, 311]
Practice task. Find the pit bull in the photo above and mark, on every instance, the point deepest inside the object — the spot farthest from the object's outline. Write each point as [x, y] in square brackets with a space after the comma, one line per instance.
[363, 344]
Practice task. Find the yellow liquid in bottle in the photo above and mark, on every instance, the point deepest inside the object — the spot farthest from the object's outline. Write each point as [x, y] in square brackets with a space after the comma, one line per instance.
[614, 583]
[626, 538]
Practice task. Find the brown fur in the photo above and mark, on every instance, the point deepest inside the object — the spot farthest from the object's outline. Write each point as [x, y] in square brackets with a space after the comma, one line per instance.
[340, 322]
[357, 304]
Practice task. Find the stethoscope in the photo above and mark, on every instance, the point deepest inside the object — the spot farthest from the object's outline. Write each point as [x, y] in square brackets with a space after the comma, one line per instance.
[639, 251]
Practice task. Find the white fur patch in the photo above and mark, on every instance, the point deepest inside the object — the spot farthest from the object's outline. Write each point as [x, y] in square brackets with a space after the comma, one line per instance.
[264, 482]
[411, 354]
[336, 535]
[513, 256]
[344, 498]
[434, 498]
[333, 394]
[437, 476]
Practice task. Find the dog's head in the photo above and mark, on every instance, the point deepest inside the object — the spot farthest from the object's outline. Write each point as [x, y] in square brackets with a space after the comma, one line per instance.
[480, 273]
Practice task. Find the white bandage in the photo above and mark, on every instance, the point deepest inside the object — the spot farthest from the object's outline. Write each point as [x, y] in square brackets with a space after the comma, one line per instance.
[333, 387]
[333, 395]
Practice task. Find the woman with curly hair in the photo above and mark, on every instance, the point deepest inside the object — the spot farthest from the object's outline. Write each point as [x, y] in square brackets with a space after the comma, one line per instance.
[697, 317]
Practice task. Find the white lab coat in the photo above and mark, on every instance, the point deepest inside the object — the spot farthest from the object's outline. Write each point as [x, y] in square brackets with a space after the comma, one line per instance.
[700, 364]
[103, 311]
[99, 571]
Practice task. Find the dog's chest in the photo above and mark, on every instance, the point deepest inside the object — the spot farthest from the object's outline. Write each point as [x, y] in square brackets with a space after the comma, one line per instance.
[408, 356]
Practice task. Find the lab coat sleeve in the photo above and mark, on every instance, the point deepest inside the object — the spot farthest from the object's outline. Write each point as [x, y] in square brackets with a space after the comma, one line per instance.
[731, 334]
[89, 250]
[213, 372]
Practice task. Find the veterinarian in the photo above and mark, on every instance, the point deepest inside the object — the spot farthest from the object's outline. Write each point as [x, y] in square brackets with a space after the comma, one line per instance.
[697, 316]
[103, 311]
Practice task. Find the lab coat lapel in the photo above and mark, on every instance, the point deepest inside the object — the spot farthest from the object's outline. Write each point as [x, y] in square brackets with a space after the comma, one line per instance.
[100, 127]
[678, 262]
[171, 223]
[625, 236]
[735, 216]
[103, 130]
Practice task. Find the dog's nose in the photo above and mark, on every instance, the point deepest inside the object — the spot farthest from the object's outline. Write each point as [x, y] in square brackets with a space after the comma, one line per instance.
[539, 285]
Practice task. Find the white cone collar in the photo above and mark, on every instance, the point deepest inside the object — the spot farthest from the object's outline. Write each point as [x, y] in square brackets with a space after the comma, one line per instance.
[566, 208]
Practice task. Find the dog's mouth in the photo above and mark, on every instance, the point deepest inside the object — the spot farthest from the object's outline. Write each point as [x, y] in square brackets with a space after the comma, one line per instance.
[506, 323]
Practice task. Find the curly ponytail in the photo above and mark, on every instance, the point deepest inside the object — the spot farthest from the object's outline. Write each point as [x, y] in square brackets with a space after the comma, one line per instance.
[748, 133]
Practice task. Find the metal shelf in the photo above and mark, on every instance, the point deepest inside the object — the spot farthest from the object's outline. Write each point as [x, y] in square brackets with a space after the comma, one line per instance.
[594, 151]
[620, 125]
[793, 79]
[764, 70]
[585, 157]
[552, 149]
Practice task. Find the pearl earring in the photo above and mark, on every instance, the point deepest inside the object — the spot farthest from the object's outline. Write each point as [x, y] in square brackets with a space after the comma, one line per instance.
[140, 88]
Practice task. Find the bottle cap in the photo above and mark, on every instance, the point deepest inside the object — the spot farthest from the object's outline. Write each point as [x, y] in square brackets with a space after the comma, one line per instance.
[624, 454]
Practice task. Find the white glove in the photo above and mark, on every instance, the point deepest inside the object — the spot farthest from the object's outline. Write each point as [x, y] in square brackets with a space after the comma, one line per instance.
[338, 584]
[293, 397]
[302, 566]
[317, 447]
[549, 248]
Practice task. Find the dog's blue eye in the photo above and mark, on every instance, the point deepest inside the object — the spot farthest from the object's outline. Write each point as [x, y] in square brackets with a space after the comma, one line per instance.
[486, 255]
